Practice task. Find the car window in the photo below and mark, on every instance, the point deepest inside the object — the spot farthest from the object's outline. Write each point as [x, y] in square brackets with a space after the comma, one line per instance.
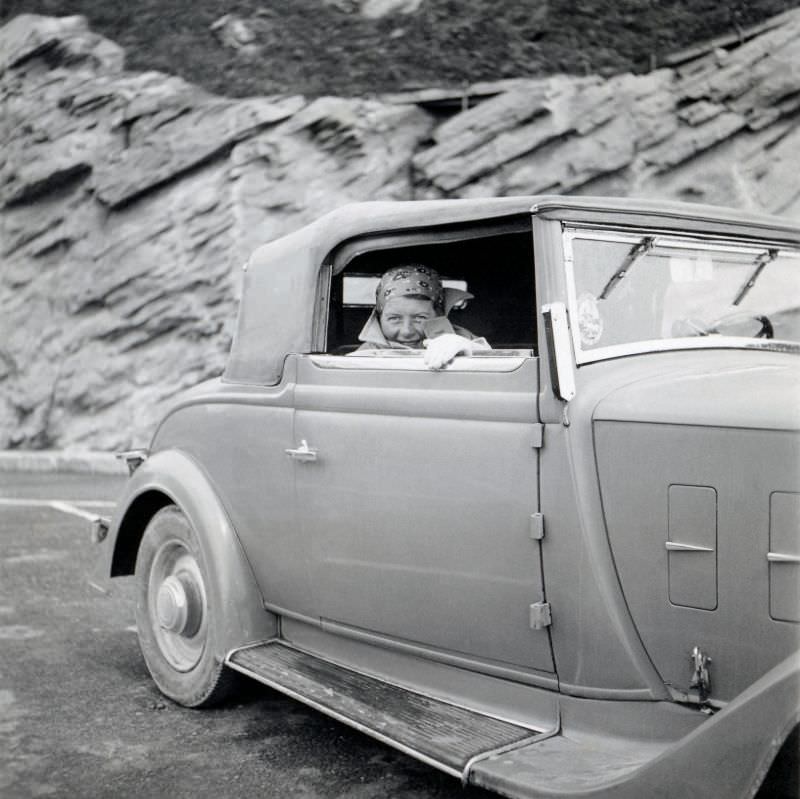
[497, 270]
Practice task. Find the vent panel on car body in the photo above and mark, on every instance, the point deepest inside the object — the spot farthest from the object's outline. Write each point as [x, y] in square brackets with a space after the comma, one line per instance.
[784, 556]
[692, 546]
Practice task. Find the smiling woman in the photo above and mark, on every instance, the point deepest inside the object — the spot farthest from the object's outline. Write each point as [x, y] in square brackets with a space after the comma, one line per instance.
[411, 306]
[407, 297]
[402, 320]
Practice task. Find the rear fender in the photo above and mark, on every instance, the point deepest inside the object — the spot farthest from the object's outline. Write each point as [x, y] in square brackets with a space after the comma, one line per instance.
[173, 477]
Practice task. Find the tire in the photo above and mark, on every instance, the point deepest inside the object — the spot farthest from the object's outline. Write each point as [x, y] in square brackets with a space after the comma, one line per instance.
[176, 620]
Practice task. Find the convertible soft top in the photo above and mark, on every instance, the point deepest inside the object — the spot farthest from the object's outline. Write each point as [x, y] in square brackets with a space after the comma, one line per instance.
[280, 282]
[276, 314]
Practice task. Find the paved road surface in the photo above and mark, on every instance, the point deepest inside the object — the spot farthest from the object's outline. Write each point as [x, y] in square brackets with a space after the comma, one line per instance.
[79, 716]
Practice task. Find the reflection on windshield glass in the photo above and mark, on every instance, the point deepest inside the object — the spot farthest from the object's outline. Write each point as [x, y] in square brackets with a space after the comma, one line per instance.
[681, 289]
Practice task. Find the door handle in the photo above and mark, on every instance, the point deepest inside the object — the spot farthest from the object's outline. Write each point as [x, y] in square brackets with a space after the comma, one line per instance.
[303, 453]
[780, 557]
[674, 546]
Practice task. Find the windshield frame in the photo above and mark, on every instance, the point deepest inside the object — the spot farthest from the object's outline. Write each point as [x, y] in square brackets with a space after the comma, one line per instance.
[660, 238]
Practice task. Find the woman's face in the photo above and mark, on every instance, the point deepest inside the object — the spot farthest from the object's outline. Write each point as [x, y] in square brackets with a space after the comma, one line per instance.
[402, 319]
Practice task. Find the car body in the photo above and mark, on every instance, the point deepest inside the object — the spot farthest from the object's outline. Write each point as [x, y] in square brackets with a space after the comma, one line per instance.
[568, 565]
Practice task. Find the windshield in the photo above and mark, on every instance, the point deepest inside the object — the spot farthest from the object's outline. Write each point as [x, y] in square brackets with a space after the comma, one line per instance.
[639, 292]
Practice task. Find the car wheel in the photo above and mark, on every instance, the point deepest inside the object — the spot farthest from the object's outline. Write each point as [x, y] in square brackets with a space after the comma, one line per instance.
[176, 620]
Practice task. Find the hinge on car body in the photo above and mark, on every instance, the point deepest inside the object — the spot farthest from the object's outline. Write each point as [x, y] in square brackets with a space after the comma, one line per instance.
[537, 436]
[701, 677]
[537, 526]
[540, 615]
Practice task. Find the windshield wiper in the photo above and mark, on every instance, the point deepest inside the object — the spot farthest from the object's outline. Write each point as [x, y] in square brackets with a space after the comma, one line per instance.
[766, 257]
[640, 248]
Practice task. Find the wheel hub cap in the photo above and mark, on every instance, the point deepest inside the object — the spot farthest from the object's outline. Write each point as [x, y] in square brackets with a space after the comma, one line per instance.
[177, 607]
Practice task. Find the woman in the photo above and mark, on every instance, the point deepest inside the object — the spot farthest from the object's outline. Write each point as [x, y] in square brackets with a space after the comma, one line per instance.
[411, 307]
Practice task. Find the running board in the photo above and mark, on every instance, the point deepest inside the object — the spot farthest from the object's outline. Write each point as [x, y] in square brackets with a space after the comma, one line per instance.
[446, 736]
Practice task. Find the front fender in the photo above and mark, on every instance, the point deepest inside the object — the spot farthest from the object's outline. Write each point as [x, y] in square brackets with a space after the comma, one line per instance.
[730, 754]
[725, 757]
[174, 477]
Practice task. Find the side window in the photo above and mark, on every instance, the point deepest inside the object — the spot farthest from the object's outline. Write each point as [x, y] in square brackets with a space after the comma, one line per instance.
[497, 270]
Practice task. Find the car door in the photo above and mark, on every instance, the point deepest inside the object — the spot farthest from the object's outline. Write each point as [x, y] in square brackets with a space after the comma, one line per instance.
[420, 503]
[246, 433]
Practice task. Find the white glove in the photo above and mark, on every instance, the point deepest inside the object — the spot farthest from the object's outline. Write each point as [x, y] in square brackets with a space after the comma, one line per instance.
[440, 351]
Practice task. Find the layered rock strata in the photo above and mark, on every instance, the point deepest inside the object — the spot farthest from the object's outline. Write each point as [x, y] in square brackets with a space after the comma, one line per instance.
[128, 201]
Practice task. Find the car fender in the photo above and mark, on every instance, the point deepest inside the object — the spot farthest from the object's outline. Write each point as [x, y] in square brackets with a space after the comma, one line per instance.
[738, 744]
[725, 757]
[174, 477]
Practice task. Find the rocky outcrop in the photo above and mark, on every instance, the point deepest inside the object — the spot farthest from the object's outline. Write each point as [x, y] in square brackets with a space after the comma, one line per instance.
[721, 129]
[128, 201]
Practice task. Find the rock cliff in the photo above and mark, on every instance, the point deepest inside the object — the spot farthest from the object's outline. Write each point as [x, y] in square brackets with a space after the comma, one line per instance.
[129, 201]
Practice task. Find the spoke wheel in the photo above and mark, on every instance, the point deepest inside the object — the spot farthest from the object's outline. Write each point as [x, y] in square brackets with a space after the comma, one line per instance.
[175, 617]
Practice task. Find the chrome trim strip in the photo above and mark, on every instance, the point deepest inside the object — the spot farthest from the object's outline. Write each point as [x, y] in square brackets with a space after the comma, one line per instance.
[500, 750]
[671, 211]
[668, 239]
[274, 640]
[312, 621]
[593, 692]
[675, 344]
[546, 680]
[381, 359]
[559, 351]
[674, 546]
[780, 557]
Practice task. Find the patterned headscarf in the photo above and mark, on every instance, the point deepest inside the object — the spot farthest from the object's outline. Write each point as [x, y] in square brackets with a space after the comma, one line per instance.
[412, 279]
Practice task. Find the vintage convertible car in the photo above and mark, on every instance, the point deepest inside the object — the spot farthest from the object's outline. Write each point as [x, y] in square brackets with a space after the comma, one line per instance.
[568, 565]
